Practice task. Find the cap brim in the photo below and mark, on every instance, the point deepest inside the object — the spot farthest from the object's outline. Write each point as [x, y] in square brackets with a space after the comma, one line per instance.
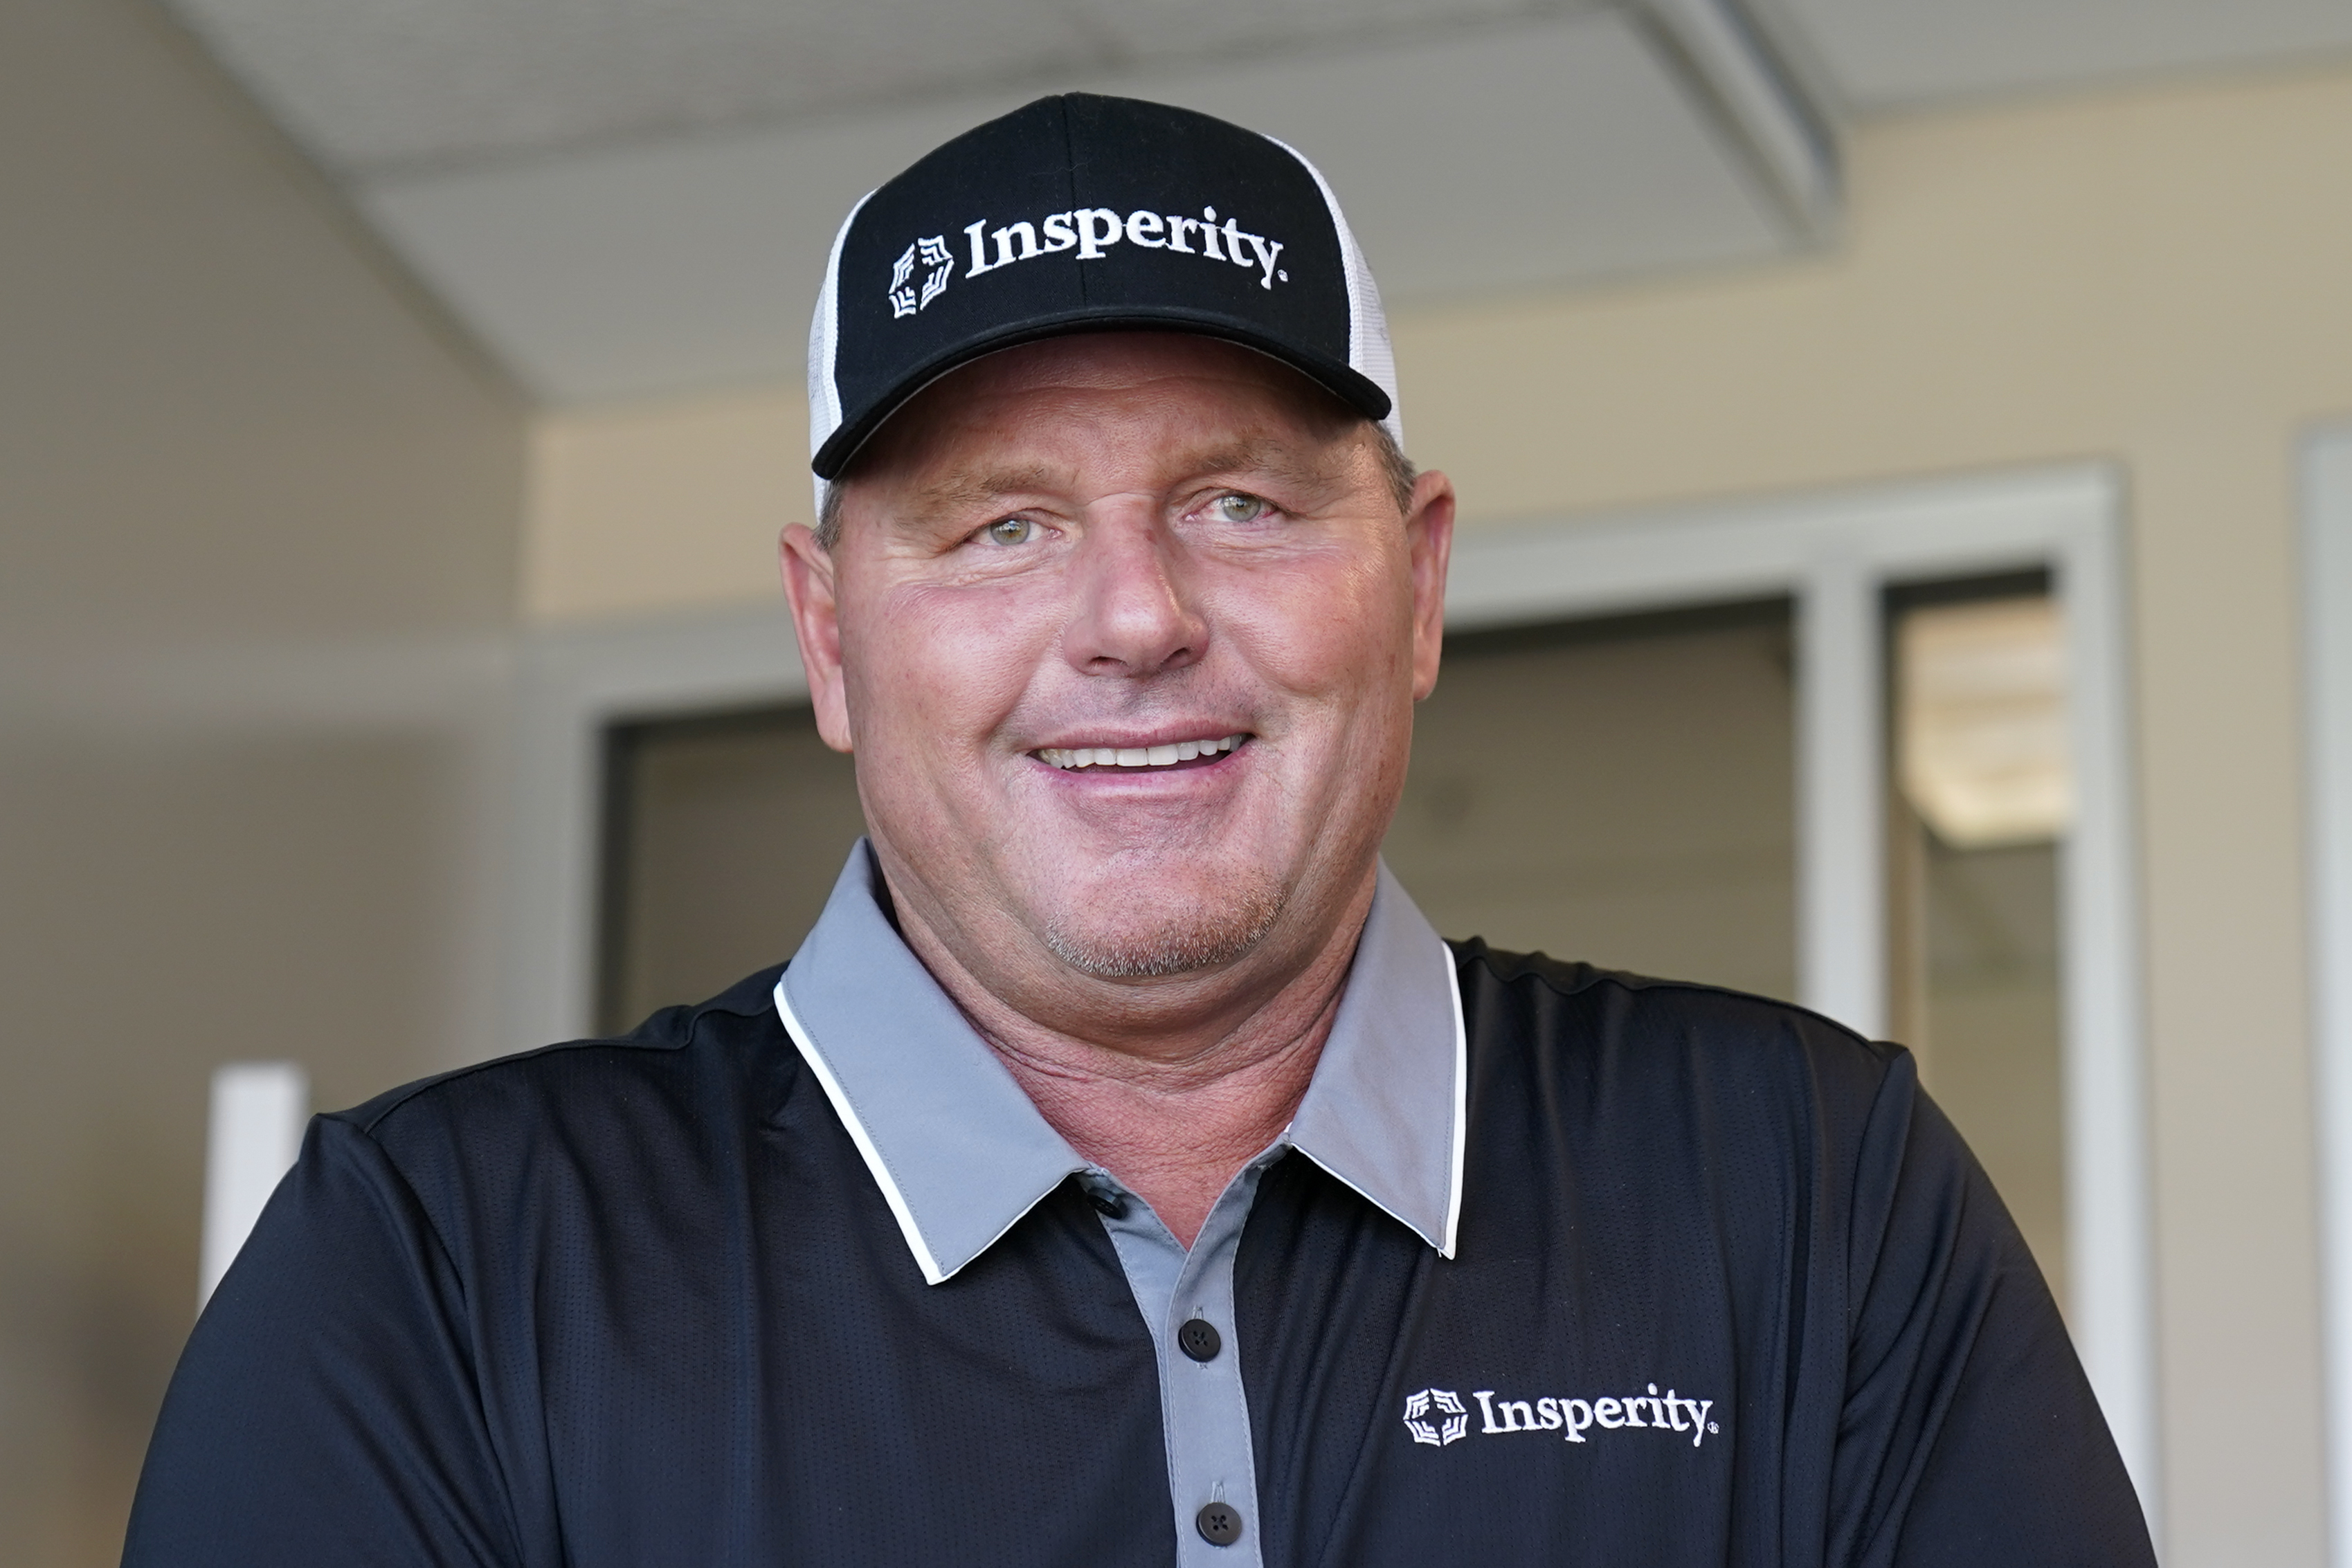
[1350, 385]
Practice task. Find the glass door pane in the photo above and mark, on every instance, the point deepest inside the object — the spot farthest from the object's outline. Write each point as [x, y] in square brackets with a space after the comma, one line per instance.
[723, 835]
[1616, 791]
[1981, 792]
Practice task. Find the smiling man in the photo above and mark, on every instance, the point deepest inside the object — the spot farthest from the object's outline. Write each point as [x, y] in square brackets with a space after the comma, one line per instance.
[1125, 630]
[1123, 1171]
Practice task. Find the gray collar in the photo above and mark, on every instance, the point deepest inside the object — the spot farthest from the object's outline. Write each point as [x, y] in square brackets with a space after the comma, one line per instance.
[961, 1153]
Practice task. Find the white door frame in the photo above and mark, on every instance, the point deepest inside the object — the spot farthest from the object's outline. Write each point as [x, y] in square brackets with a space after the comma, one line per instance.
[1834, 553]
[2327, 728]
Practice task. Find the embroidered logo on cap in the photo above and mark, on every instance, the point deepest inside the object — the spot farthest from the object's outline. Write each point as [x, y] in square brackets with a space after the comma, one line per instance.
[935, 255]
[1456, 1425]
[1089, 233]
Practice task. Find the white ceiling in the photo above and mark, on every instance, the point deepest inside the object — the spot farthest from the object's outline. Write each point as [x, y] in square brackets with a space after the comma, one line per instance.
[1501, 157]
[374, 85]
[1902, 54]
[633, 197]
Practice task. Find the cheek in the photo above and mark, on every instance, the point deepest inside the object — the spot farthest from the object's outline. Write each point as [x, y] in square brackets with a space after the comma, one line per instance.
[935, 671]
[1338, 628]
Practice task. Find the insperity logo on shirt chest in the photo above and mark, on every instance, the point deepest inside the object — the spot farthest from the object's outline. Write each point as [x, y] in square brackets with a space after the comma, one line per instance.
[1087, 233]
[1438, 1417]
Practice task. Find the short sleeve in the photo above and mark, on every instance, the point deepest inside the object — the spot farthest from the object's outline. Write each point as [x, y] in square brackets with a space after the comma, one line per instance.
[1969, 1433]
[325, 1408]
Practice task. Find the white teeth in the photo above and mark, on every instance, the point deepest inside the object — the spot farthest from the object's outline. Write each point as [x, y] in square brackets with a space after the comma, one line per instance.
[1076, 756]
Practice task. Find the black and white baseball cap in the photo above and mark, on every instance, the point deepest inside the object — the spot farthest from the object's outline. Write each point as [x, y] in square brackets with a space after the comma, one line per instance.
[1076, 213]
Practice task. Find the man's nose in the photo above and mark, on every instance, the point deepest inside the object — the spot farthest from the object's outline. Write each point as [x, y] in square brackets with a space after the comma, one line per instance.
[1129, 613]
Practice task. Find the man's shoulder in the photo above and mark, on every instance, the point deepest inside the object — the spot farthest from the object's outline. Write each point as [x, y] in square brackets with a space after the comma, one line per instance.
[724, 1059]
[1704, 1036]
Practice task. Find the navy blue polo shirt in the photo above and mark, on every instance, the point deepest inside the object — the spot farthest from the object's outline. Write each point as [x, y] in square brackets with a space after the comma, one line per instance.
[1552, 1266]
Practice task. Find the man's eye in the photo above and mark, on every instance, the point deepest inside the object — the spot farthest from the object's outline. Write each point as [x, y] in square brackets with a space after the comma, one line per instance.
[1010, 531]
[1236, 508]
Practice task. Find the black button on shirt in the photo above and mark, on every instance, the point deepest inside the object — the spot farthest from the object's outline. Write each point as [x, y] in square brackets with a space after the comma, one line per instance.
[1220, 1524]
[1729, 1290]
[1199, 1339]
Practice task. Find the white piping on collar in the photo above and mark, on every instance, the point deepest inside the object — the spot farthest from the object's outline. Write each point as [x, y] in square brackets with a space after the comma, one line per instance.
[1448, 1238]
[1461, 1107]
[932, 1273]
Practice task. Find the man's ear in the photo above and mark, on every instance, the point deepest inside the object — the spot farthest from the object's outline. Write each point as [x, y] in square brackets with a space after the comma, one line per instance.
[1429, 537]
[810, 585]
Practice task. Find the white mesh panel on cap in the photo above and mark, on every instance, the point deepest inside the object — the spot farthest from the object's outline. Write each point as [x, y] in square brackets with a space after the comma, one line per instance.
[824, 339]
[1369, 352]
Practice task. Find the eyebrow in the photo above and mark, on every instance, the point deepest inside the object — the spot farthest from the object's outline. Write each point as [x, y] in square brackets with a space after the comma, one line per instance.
[1280, 459]
[969, 491]
[973, 489]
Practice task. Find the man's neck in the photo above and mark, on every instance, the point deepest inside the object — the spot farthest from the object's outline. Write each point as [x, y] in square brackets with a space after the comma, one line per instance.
[1174, 1117]
[1175, 1138]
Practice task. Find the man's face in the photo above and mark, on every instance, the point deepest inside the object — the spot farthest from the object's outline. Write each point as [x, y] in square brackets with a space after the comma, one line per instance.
[1125, 630]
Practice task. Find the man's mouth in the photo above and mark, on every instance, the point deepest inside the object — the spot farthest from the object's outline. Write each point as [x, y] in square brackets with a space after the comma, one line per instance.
[1138, 758]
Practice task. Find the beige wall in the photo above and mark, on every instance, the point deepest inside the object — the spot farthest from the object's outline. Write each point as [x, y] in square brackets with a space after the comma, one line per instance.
[2162, 278]
[666, 506]
[258, 534]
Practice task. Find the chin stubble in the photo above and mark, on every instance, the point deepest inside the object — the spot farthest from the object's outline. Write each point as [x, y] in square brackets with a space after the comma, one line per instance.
[1193, 940]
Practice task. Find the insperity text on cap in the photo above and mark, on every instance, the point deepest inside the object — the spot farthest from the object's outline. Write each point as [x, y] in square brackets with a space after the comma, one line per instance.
[1075, 214]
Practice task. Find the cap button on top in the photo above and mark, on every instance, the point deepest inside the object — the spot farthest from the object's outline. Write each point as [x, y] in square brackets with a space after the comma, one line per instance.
[1200, 1340]
[1220, 1523]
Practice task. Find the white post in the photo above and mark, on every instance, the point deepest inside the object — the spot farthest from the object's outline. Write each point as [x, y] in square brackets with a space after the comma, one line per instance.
[2110, 1212]
[1841, 806]
[257, 1113]
[2327, 720]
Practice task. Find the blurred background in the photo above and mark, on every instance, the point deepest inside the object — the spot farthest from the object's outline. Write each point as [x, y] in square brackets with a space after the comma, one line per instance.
[1883, 432]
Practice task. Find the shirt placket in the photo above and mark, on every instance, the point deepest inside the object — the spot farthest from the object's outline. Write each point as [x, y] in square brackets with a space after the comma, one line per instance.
[1187, 1298]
